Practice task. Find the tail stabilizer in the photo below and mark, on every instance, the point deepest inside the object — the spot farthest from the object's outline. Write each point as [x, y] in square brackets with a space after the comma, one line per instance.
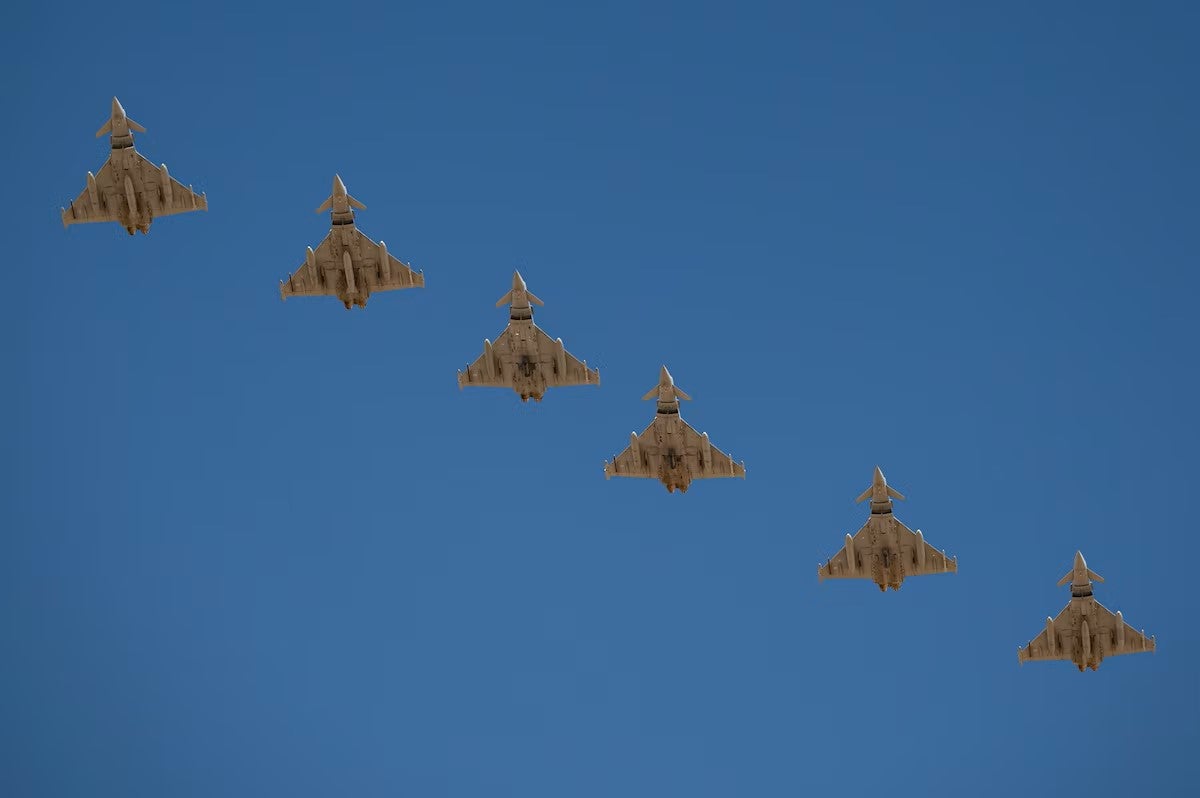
[508, 298]
[328, 204]
[866, 494]
[108, 127]
[1069, 576]
[679, 394]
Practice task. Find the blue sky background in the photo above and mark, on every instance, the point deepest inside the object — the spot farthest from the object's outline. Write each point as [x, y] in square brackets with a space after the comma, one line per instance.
[263, 549]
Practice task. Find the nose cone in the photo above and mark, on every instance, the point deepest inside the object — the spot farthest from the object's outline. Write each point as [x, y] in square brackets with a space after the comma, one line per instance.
[664, 377]
[339, 188]
[518, 282]
[878, 478]
[1080, 563]
[117, 110]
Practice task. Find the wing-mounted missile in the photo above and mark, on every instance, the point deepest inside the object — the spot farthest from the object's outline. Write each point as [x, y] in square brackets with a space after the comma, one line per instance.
[1120, 631]
[634, 449]
[385, 263]
[167, 189]
[1051, 638]
[93, 192]
[920, 549]
[489, 359]
[560, 354]
[310, 258]
[705, 452]
[348, 268]
[851, 557]
[131, 196]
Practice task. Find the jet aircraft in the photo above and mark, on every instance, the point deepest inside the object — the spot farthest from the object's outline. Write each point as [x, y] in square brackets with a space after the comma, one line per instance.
[524, 357]
[129, 189]
[347, 264]
[1084, 632]
[670, 450]
[885, 550]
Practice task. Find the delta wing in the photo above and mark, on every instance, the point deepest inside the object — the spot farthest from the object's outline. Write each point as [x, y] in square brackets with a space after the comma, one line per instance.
[1108, 633]
[875, 540]
[494, 367]
[324, 270]
[651, 454]
[163, 194]
[98, 202]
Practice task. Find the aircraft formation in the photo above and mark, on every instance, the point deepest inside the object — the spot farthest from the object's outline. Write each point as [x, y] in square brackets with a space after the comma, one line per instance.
[130, 190]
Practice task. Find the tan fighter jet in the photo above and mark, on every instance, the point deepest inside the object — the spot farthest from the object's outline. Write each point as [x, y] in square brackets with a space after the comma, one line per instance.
[128, 189]
[669, 449]
[1085, 632]
[524, 358]
[885, 550]
[347, 264]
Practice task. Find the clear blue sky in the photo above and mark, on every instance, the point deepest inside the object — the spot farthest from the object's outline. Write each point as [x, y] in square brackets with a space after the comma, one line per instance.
[263, 549]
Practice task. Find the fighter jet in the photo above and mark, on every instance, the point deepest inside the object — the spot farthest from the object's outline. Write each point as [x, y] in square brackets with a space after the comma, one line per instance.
[670, 450]
[347, 264]
[885, 550]
[524, 358]
[1084, 632]
[129, 189]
